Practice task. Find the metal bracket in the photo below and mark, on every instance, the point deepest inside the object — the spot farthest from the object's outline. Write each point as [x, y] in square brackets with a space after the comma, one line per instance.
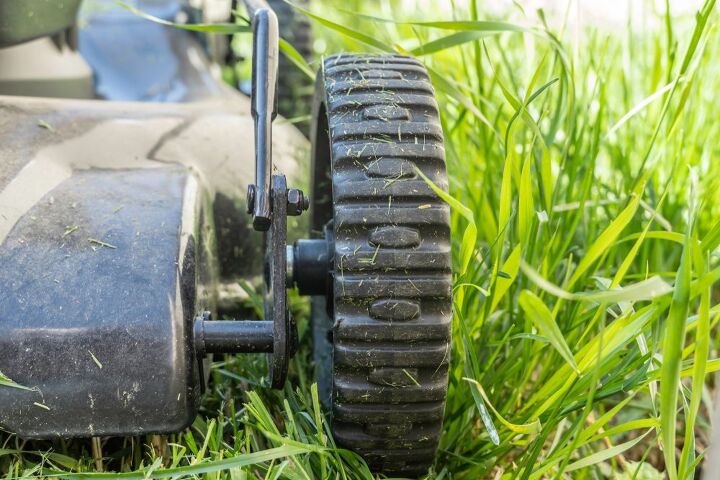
[277, 333]
[275, 305]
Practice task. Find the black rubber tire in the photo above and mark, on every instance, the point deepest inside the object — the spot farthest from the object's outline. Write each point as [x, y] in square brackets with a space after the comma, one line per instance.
[375, 121]
[295, 89]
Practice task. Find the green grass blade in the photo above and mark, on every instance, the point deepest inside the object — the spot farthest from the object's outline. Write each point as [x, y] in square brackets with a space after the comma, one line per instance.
[648, 289]
[469, 237]
[347, 31]
[702, 350]
[226, 28]
[502, 284]
[642, 105]
[543, 320]
[462, 25]
[449, 41]
[296, 58]
[7, 382]
[524, 429]
[606, 454]
[526, 204]
[444, 85]
[199, 469]
[712, 239]
[672, 359]
[606, 238]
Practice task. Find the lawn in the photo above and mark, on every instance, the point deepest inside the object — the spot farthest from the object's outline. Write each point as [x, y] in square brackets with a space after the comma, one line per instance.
[585, 182]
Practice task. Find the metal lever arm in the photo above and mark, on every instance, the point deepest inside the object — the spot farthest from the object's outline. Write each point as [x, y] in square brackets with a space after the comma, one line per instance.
[264, 107]
[253, 6]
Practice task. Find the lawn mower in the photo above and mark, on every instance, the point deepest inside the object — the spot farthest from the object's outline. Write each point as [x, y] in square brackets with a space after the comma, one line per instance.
[137, 191]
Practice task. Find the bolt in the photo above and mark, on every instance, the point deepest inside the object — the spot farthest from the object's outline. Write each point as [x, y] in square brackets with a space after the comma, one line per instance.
[251, 199]
[297, 202]
[290, 271]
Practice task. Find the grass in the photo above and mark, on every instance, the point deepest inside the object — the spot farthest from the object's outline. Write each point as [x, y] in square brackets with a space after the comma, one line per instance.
[585, 192]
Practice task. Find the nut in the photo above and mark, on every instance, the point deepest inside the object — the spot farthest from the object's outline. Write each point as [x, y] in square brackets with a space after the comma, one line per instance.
[297, 202]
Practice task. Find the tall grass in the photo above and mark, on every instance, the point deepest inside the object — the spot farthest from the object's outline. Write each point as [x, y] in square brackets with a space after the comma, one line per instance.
[586, 318]
[585, 189]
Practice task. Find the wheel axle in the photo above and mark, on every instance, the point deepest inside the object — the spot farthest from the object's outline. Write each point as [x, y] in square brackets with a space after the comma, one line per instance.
[233, 336]
[310, 266]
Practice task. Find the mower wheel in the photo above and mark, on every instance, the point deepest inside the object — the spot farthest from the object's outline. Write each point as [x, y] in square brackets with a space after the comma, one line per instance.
[376, 127]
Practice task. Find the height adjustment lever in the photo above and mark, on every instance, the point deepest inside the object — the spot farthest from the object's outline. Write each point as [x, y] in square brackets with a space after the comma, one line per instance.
[263, 108]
